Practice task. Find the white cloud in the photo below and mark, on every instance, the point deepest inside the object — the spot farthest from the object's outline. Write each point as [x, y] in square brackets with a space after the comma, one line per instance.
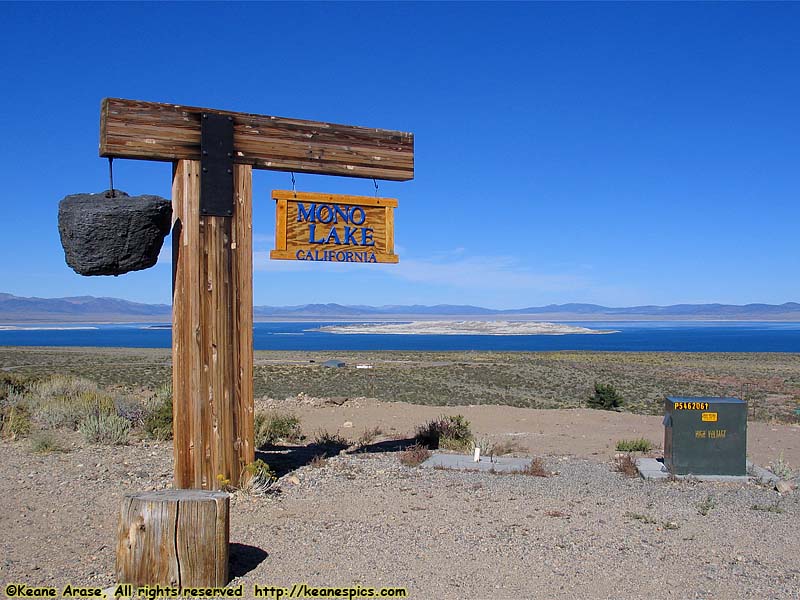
[501, 273]
[265, 238]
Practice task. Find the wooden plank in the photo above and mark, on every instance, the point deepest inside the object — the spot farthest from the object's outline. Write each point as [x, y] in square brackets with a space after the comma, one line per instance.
[212, 340]
[323, 198]
[334, 228]
[280, 225]
[170, 132]
[187, 441]
[389, 230]
[217, 340]
[242, 249]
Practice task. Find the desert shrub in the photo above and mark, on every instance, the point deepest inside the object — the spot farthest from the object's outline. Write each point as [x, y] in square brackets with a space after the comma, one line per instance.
[66, 401]
[44, 442]
[157, 416]
[506, 447]
[637, 445]
[257, 478]
[16, 420]
[368, 436]
[269, 427]
[130, 409]
[605, 397]
[449, 432]
[415, 455]
[536, 468]
[62, 387]
[318, 461]
[13, 384]
[706, 505]
[781, 468]
[626, 465]
[105, 428]
[333, 440]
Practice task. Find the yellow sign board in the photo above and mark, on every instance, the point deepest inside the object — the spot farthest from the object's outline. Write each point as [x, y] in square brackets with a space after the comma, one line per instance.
[333, 227]
[709, 417]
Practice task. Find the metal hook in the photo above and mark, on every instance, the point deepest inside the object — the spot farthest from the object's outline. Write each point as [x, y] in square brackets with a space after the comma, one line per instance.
[111, 176]
[293, 190]
[375, 181]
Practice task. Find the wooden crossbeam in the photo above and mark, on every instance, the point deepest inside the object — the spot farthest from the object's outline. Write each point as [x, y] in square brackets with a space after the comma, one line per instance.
[170, 132]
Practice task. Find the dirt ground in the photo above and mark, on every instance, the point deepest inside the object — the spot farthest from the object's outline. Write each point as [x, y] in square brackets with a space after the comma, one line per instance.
[583, 433]
[363, 518]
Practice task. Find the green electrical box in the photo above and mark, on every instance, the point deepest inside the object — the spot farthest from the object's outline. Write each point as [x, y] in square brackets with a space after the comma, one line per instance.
[705, 436]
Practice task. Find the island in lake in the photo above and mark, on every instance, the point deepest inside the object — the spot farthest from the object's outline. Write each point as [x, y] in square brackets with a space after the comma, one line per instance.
[462, 328]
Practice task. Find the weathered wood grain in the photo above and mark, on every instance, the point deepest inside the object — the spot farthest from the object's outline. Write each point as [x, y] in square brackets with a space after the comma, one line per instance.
[242, 274]
[212, 339]
[174, 538]
[170, 132]
[322, 198]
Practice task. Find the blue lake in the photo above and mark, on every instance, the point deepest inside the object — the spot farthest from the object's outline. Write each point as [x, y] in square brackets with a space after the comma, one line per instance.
[640, 336]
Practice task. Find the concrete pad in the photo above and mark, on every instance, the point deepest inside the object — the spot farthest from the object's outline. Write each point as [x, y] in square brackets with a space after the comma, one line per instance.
[654, 470]
[765, 476]
[463, 462]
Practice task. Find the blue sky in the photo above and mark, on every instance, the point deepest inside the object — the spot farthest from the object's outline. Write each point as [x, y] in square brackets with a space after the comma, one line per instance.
[611, 153]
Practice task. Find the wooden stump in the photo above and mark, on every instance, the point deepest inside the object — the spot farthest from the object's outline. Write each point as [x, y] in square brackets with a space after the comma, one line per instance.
[173, 537]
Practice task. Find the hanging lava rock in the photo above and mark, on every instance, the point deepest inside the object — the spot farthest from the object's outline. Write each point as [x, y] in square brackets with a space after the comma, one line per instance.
[110, 235]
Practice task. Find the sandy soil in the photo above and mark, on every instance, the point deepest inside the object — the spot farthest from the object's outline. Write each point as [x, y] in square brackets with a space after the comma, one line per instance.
[364, 518]
[574, 432]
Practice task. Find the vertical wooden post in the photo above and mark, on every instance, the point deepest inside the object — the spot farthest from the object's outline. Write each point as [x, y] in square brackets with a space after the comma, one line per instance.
[212, 344]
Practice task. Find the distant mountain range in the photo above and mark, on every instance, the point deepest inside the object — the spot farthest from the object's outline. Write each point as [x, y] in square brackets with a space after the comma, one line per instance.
[88, 309]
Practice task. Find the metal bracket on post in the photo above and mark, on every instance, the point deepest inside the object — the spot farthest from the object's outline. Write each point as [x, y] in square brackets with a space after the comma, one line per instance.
[216, 165]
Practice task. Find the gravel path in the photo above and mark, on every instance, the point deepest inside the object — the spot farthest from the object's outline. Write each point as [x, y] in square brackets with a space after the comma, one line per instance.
[586, 532]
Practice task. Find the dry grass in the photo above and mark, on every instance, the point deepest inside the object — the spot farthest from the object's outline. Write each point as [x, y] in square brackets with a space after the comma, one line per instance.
[318, 462]
[505, 447]
[45, 442]
[331, 440]
[626, 465]
[415, 455]
[771, 381]
[368, 436]
[536, 468]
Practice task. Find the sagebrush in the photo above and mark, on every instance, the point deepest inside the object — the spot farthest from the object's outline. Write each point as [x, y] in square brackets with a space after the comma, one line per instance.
[451, 432]
[272, 427]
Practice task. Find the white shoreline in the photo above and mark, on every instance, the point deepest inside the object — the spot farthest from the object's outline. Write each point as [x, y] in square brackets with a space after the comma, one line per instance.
[462, 328]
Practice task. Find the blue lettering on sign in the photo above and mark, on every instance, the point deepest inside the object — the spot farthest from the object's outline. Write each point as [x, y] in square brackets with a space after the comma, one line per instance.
[305, 215]
[311, 240]
[333, 237]
[366, 236]
[336, 256]
[353, 215]
[349, 236]
[330, 214]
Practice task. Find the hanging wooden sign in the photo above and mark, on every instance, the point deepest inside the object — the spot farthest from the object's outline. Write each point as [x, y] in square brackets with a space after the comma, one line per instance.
[334, 228]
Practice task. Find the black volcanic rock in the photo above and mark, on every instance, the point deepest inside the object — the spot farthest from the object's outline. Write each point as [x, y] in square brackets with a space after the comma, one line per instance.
[105, 235]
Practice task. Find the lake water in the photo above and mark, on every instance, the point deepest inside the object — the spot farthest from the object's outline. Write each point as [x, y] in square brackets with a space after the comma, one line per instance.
[640, 336]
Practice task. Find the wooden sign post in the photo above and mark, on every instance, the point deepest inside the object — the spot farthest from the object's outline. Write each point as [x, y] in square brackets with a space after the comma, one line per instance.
[213, 154]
